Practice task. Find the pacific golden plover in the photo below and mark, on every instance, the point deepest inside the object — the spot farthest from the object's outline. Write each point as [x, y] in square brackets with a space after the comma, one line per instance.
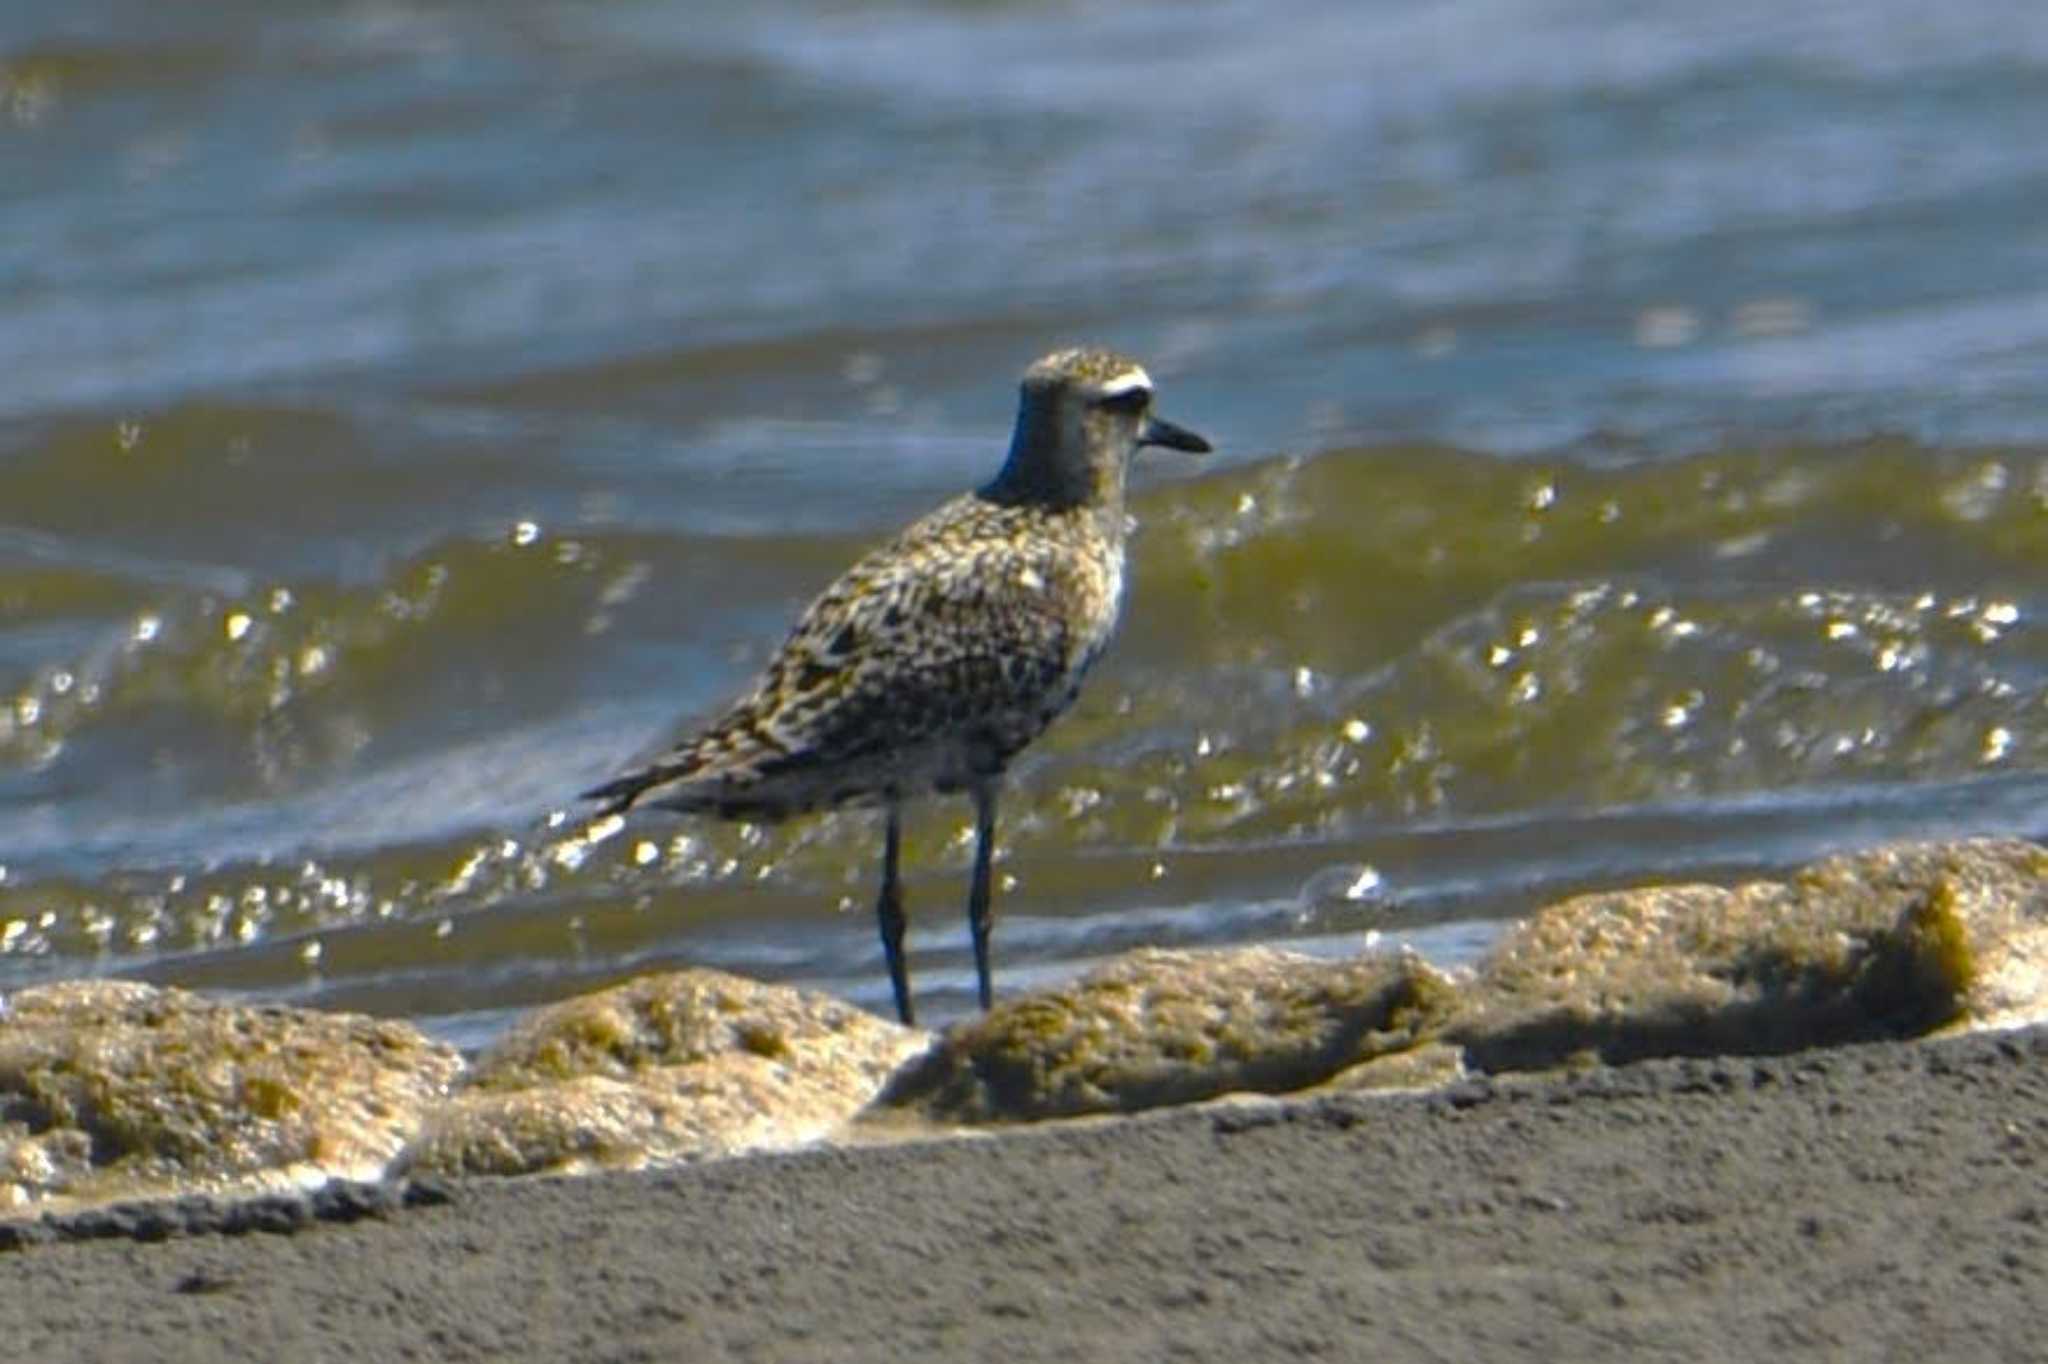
[936, 658]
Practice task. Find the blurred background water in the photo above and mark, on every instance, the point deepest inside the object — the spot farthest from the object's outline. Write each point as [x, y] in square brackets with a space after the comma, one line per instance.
[1633, 462]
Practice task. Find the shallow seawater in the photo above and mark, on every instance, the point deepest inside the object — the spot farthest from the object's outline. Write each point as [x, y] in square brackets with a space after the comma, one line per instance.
[1633, 464]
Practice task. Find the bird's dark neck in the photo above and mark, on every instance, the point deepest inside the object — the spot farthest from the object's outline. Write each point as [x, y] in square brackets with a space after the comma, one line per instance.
[1043, 471]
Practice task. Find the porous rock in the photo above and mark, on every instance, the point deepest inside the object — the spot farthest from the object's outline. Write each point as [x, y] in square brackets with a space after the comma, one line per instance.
[683, 1066]
[112, 1089]
[1891, 942]
[1158, 1027]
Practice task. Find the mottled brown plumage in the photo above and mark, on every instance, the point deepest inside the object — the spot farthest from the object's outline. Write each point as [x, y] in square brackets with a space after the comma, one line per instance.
[935, 658]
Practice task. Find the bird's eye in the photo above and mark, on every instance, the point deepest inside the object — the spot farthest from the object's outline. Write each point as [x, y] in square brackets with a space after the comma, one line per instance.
[1129, 401]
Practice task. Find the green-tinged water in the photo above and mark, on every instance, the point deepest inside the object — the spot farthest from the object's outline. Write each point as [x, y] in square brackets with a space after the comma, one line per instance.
[1463, 673]
[1631, 464]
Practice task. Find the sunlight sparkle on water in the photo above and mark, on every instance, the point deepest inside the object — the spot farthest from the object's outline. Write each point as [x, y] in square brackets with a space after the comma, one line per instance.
[1364, 885]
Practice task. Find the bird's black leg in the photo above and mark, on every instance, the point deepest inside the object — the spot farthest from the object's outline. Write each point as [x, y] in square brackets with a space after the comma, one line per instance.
[889, 915]
[979, 915]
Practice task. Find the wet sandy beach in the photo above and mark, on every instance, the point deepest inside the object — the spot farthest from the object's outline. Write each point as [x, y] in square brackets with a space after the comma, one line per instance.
[1879, 1201]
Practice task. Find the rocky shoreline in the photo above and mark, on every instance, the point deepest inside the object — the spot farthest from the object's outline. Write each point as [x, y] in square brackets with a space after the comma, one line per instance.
[117, 1093]
[1785, 1119]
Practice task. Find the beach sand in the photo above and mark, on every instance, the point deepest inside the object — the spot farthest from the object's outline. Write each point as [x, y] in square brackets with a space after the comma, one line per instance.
[1875, 1201]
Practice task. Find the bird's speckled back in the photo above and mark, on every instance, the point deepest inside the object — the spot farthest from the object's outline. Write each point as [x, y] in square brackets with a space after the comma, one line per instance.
[937, 656]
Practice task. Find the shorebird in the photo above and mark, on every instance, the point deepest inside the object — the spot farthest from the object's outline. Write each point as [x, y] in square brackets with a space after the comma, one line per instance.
[932, 661]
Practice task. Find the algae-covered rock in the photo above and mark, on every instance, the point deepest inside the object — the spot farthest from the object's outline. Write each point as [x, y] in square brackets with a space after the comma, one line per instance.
[685, 1066]
[1166, 1027]
[1891, 942]
[112, 1089]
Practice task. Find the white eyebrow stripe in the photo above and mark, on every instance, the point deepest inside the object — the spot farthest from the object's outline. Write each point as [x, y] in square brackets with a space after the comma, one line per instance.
[1134, 377]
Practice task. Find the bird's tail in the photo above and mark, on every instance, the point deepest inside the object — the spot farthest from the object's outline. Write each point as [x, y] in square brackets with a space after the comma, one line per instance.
[620, 792]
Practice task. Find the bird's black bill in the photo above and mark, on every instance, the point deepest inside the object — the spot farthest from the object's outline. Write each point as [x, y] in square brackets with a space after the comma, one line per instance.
[1160, 432]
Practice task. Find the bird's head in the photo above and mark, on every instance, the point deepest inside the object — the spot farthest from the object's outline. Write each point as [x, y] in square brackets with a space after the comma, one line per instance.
[1082, 414]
